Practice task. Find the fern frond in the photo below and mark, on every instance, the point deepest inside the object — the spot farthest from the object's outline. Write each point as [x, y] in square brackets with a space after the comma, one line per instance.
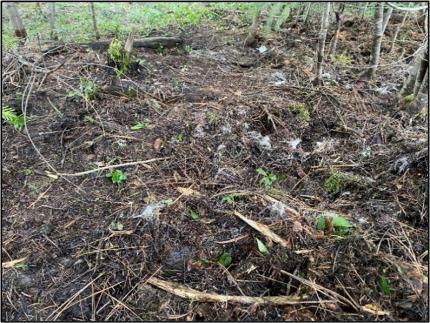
[274, 12]
[9, 115]
[282, 18]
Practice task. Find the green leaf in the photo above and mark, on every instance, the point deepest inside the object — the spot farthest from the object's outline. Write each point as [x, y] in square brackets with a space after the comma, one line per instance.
[261, 171]
[225, 259]
[229, 198]
[117, 226]
[138, 126]
[320, 224]
[261, 246]
[340, 224]
[117, 176]
[168, 201]
[384, 285]
[194, 215]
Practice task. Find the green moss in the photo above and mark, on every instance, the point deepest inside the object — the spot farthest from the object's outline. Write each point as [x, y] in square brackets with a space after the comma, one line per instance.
[342, 59]
[301, 110]
[409, 98]
[333, 183]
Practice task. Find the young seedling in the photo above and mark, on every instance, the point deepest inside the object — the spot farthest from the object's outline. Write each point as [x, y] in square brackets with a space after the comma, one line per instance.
[117, 176]
[333, 183]
[384, 283]
[225, 259]
[28, 172]
[341, 226]
[11, 118]
[301, 110]
[141, 125]
[267, 178]
[188, 49]
[229, 198]
[118, 226]
[194, 215]
[261, 246]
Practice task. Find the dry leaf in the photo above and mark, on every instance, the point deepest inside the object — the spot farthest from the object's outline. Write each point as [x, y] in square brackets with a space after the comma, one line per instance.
[297, 226]
[10, 264]
[157, 144]
[188, 191]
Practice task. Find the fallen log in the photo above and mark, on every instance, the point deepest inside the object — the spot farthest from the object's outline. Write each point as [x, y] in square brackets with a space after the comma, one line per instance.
[150, 42]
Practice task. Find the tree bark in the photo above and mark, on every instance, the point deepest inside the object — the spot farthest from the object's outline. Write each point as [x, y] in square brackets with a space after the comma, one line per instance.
[15, 18]
[396, 33]
[387, 16]
[416, 75]
[51, 19]
[93, 14]
[251, 38]
[423, 67]
[321, 42]
[377, 39]
[308, 7]
[338, 15]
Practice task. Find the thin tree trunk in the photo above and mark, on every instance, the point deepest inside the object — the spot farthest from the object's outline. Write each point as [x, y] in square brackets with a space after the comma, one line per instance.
[336, 33]
[93, 14]
[15, 18]
[416, 74]
[321, 42]
[426, 21]
[377, 38]
[308, 8]
[52, 21]
[363, 9]
[250, 40]
[387, 16]
[396, 33]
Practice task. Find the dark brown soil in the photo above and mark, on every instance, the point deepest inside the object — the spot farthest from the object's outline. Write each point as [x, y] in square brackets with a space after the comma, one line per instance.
[207, 107]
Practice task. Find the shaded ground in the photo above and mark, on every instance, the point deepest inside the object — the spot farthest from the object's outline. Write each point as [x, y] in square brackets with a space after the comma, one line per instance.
[212, 109]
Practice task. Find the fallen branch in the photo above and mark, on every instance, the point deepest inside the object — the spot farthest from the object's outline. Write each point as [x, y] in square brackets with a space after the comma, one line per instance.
[195, 295]
[263, 229]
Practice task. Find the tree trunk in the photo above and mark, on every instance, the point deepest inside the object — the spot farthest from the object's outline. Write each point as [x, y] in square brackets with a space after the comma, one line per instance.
[251, 39]
[338, 15]
[363, 9]
[308, 8]
[321, 42]
[93, 14]
[416, 75]
[387, 16]
[15, 18]
[377, 38]
[51, 19]
[426, 21]
[396, 33]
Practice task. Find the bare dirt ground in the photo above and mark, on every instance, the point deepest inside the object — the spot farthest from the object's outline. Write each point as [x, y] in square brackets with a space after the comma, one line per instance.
[215, 115]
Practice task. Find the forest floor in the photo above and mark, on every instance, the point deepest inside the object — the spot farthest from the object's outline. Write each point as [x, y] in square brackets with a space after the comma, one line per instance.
[81, 247]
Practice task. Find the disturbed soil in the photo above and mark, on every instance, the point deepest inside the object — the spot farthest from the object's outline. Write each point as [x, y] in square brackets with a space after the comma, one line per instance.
[214, 115]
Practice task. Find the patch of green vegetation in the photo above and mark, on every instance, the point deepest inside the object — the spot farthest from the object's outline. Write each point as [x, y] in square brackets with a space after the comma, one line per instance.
[141, 125]
[188, 49]
[89, 119]
[117, 176]
[225, 259]
[21, 266]
[9, 41]
[409, 98]
[28, 172]
[333, 183]
[261, 246]
[384, 283]
[88, 90]
[194, 215]
[131, 93]
[11, 118]
[341, 226]
[116, 226]
[211, 118]
[342, 59]
[180, 137]
[229, 198]
[119, 57]
[301, 110]
[168, 201]
[267, 178]
[160, 50]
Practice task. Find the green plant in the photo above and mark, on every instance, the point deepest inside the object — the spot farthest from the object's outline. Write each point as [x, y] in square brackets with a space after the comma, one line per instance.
[333, 183]
[11, 118]
[229, 198]
[116, 226]
[89, 119]
[267, 178]
[180, 137]
[160, 50]
[342, 59]
[119, 57]
[211, 117]
[168, 201]
[28, 172]
[225, 259]
[409, 98]
[21, 266]
[194, 215]
[141, 125]
[188, 49]
[261, 246]
[384, 283]
[341, 226]
[300, 109]
[117, 176]
[88, 88]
